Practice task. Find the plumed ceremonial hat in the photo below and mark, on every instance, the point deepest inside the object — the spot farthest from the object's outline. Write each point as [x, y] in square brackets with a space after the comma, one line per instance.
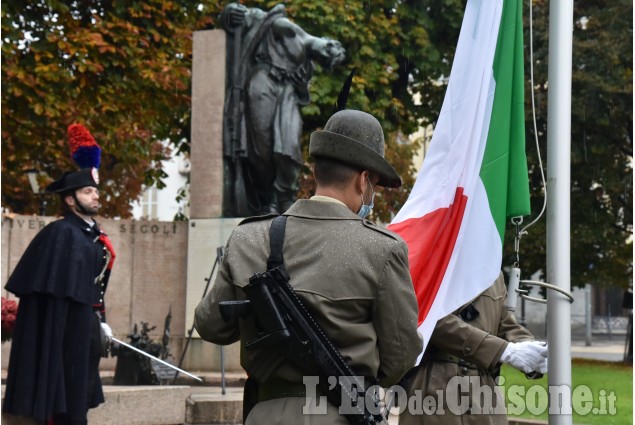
[86, 153]
[355, 138]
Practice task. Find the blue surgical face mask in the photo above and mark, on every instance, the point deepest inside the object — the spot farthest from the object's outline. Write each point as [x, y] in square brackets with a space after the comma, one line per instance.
[364, 210]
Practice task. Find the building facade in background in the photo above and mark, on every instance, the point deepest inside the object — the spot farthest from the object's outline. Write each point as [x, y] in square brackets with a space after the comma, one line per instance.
[162, 204]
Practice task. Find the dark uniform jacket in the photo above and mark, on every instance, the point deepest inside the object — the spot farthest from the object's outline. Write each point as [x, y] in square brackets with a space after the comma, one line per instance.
[55, 351]
[351, 274]
[465, 345]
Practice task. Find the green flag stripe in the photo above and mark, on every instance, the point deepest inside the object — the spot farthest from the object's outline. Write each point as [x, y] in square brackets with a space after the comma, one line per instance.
[504, 167]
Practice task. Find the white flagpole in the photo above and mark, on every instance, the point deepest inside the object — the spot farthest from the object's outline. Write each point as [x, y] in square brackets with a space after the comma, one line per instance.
[558, 209]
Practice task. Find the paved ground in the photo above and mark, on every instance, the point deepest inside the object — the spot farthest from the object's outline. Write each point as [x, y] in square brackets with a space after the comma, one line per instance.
[600, 349]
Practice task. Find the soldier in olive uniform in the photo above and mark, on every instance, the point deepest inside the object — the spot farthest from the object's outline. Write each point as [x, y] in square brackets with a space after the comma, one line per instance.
[351, 274]
[462, 360]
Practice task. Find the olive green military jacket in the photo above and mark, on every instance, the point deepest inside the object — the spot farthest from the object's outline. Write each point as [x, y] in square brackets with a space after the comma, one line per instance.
[480, 342]
[351, 274]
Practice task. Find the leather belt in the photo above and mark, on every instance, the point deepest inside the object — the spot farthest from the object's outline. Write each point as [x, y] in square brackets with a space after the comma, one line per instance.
[441, 356]
[279, 388]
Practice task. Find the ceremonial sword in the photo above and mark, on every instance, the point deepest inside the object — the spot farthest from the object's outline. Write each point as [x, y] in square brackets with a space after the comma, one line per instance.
[154, 358]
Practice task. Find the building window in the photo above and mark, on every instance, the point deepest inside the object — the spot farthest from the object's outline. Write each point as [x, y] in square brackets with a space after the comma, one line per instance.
[149, 203]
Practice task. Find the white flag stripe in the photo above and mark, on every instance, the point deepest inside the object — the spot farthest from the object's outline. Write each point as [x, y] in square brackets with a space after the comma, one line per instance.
[451, 161]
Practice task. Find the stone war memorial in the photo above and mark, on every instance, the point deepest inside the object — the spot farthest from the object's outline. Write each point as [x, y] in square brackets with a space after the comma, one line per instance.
[246, 125]
[250, 77]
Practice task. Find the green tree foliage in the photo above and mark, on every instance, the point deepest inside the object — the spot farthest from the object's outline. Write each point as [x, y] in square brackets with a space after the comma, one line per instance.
[601, 143]
[121, 68]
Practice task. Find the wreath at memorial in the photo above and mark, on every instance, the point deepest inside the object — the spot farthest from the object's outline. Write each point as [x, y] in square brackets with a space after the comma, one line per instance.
[135, 369]
[9, 311]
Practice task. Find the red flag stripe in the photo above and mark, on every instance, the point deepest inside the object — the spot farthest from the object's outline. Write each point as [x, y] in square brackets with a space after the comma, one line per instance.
[431, 240]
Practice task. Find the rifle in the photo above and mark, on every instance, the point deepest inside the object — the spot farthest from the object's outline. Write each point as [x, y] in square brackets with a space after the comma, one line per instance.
[286, 325]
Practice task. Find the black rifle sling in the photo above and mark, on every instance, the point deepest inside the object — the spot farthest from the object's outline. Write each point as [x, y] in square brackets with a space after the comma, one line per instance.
[276, 236]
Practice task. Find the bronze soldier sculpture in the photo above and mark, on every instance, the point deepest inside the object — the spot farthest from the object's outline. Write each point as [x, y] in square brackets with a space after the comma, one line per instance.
[269, 68]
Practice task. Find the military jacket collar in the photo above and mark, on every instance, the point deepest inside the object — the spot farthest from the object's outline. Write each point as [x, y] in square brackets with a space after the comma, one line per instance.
[320, 210]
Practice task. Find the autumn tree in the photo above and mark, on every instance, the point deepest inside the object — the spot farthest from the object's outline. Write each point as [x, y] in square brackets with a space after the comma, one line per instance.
[121, 68]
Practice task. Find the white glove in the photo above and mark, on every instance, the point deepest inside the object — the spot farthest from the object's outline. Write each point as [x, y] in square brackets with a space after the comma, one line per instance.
[526, 356]
[106, 329]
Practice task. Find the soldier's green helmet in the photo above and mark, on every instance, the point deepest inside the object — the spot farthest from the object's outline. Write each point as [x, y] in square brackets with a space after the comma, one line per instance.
[355, 138]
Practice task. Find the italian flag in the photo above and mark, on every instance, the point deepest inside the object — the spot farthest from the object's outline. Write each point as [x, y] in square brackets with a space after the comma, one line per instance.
[474, 175]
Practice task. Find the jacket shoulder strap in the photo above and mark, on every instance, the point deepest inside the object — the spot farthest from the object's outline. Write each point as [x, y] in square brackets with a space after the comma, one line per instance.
[276, 240]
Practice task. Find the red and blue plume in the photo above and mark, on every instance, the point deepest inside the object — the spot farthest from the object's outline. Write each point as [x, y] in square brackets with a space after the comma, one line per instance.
[84, 149]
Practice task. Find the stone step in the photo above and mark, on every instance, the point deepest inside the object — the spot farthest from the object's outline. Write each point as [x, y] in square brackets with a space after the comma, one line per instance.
[215, 408]
[161, 405]
[141, 405]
